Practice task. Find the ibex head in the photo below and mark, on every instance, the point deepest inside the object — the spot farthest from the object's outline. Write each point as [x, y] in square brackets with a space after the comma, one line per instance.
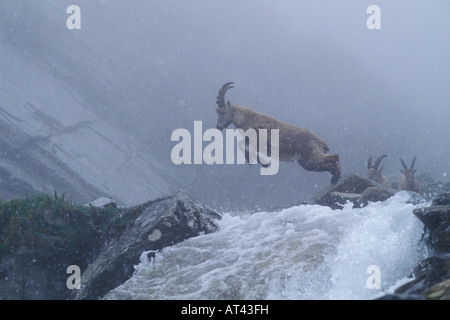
[374, 172]
[224, 111]
[409, 174]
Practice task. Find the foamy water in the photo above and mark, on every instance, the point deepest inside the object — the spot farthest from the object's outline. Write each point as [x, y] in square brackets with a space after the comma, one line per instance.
[304, 252]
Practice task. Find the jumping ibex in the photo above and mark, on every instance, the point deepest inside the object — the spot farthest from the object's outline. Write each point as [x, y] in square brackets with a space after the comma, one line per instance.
[295, 143]
[376, 174]
[408, 180]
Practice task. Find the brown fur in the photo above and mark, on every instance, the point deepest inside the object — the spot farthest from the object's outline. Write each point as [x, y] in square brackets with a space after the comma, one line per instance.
[375, 173]
[295, 144]
[408, 180]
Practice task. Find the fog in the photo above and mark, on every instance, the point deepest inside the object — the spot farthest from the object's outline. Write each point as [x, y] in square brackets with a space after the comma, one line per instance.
[150, 67]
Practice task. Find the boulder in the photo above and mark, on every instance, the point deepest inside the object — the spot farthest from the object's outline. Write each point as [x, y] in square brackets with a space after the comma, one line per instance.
[36, 274]
[162, 223]
[431, 275]
[441, 199]
[401, 296]
[336, 197]
[436, 219]
[354, 188]
[428, 273]
[103, 202]
[374, 194]
[441, 291]
[40, 237]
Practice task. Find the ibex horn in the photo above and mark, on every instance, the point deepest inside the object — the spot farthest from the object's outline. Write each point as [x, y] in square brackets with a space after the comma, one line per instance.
[413, 162]
[404, 165]
[377, 162]
[369, 162]
[221, 96]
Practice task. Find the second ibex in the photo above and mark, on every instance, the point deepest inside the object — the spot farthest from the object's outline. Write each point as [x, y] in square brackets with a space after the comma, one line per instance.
[408, 180]
[295, 143]
[375, 173]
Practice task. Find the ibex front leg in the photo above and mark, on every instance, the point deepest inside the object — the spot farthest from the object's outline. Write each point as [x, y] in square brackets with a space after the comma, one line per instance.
[252, 154]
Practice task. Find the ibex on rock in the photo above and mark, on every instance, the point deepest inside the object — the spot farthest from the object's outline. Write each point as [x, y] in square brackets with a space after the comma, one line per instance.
[408, 180]
[295, 143]
[375, 173]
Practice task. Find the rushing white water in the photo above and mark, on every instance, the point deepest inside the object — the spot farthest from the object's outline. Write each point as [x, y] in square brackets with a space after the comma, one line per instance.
[304, 252]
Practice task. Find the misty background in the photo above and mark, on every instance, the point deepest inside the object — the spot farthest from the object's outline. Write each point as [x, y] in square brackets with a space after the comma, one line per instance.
[90, 112]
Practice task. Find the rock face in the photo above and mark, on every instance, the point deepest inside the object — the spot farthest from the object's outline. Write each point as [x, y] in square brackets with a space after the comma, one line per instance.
[36, 274]
[428, 273]
[441, 291]
[162, 223]
[56, 131]
[354, 188]
[437, 223]
[442, 199]
[431, 276]
[105, 243]
[40, 237]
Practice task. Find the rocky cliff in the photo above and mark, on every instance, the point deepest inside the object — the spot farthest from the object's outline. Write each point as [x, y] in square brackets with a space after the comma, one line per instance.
[55, 116]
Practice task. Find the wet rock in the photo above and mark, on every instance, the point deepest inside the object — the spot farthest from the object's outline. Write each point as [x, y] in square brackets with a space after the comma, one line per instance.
[36, 274]
[428, 273]
[40, 237]
[437, 223]
[401, 296]
[414, 197]
[431, 275]
[354, 188]
[441, 199]
[441, 291]
[343, 197]
[162, 223]
[374, 194]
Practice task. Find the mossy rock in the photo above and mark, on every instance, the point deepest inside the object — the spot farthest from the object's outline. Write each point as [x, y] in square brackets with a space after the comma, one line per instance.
[41, 236]
[44, 220]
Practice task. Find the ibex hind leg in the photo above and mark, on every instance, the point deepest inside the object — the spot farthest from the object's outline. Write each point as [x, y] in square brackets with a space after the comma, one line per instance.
[323, 162]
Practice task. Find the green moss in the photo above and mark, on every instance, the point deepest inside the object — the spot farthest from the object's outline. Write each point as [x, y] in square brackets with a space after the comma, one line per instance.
[45, 220]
